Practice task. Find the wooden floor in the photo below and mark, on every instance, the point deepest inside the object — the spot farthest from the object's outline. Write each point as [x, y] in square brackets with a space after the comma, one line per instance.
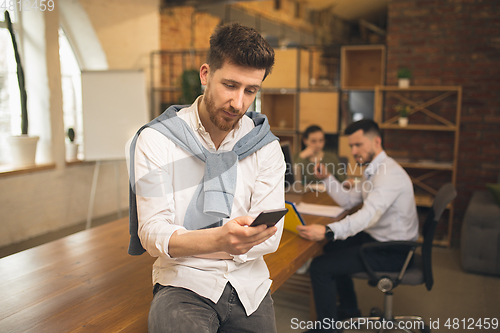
[86, 282]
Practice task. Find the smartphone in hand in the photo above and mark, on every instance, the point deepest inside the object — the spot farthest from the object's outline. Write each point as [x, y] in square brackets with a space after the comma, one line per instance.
[269, 217]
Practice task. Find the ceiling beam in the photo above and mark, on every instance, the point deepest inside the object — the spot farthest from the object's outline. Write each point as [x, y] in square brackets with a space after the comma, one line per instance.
[194, 3]
[372, 27]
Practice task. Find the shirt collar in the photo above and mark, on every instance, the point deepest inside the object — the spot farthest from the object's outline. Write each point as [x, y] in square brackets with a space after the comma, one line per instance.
[195, 116]
[372, 168]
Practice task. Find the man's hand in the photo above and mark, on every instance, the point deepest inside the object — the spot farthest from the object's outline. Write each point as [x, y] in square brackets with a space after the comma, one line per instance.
[236, 238]
[349, 183]
[320, 171]
[313, 232]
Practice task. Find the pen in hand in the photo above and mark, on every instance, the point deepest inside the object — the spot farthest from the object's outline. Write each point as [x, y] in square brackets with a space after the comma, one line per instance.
[320, 171]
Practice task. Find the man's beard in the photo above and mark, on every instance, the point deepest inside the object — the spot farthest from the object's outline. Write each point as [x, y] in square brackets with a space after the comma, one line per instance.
[216, 115]
[368, 160]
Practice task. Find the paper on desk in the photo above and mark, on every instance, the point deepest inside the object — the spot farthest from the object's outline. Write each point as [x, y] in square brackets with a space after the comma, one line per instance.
[318, 187]
[321, 210]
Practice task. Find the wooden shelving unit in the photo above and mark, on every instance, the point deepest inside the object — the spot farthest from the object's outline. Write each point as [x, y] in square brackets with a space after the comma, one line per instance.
[362, 67]
[277, 107]
[420, 127]
[298, 93]
[430, 116]
[425, 164]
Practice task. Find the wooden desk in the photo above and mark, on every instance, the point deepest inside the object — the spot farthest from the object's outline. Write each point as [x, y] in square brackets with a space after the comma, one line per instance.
[294, 251]
[86, 282]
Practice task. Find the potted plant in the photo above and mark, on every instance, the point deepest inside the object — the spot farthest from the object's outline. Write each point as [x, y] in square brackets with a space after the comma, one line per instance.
[71, 146]
[22, 147]
[404, 111]
[190, 86]
[404, 76]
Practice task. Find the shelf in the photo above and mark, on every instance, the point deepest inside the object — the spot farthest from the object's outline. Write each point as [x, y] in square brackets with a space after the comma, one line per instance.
[278, 91]
[419, 88]
[10, 170]
[439, 109]
[425, 164]
[419, 127]
[300, 92]
[441, 242]
[423, 200]
[357, 88]
[166, 89]
[290, 71]
[282, 131]
[362, 66]
[319, 108]
[438, 242]
[321, 89]
[280, 110]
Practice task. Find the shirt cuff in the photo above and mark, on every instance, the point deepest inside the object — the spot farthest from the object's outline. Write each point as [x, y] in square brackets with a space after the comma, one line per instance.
[180, 230]
[332, 226]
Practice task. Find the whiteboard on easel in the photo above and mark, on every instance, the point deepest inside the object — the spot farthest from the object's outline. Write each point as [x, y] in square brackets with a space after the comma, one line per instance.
[114, 108]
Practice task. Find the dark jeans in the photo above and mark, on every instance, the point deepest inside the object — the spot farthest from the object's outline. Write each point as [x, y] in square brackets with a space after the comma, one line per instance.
[178, 310]
[330, 273]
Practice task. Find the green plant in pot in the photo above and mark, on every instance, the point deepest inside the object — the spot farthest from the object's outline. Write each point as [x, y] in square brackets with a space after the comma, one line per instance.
[404, 76]
[22, 147]
[404, 112]
[190, 86]
[71, 146]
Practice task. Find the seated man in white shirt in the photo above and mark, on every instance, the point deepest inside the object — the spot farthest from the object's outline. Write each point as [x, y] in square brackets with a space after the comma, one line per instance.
[210, 275]
[388, 214]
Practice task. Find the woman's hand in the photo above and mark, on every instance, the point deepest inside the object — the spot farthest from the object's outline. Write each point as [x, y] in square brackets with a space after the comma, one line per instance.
[308, 153]
[320, 171]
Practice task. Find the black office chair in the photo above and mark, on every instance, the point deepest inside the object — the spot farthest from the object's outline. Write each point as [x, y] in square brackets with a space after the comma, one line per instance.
[416, 270]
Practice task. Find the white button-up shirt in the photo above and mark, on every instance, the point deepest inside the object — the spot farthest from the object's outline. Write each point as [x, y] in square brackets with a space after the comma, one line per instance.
[389, 212]
[161, 209]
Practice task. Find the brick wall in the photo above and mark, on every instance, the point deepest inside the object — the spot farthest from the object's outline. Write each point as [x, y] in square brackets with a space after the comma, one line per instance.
[453, 42]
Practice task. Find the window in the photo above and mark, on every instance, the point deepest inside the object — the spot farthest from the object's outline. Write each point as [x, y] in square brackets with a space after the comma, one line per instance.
[10, 103]
[71, 88]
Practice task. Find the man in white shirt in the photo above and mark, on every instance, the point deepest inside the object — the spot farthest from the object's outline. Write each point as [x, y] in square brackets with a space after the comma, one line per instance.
[211, 277]
[388, 214]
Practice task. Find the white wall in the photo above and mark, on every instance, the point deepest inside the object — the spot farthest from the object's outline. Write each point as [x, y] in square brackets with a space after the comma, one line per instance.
[128, 30]
[36, 203]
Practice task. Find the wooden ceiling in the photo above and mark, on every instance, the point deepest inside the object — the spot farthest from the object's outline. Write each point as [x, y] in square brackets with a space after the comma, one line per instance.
[349, 10]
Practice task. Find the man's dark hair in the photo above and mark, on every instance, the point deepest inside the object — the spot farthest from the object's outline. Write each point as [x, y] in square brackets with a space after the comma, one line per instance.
[368, 126]
[239, 45]
[311, 129]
